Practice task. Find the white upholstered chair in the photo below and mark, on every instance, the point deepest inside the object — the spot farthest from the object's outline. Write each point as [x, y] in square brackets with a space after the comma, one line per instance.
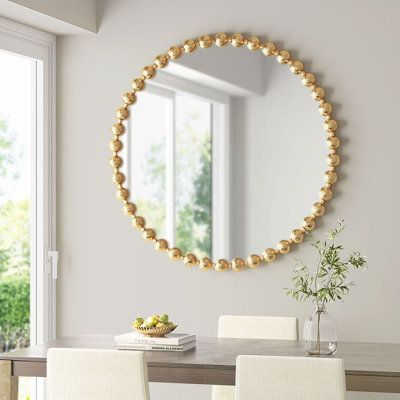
[289, 378]
[77, 374]
[248, 327]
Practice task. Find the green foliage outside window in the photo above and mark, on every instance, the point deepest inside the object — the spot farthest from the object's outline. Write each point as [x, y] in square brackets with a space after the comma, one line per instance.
[14, 253]
[193, 184]
[194, 228]
[14, 313]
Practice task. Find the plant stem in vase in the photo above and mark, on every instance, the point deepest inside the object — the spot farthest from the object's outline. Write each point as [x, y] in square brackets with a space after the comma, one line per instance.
[319, 334]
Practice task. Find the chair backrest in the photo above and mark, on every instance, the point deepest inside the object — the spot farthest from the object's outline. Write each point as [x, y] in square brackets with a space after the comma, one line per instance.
[289, 378]
[80, 374]
[248, 327]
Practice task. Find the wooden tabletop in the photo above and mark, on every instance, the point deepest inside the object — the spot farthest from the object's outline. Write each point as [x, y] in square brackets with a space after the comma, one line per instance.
[369, 366]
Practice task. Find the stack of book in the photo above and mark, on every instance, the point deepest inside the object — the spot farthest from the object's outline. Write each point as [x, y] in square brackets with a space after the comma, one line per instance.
[170, 342]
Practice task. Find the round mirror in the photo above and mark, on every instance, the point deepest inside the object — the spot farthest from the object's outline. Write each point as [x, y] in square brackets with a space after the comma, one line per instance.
[224, 151]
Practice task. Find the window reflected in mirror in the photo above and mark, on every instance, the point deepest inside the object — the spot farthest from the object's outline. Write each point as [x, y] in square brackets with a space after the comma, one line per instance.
[170, 165]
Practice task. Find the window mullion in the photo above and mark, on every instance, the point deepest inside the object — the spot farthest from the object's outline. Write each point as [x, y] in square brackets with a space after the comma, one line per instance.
[170, 174]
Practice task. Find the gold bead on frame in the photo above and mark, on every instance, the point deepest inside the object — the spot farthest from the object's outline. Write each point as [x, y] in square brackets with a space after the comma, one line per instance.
[174, 253]
[205, 264]
[297, 235]
[284, 246]
[238, 264]
[129, 209]
[205, 41]
[318, 209]
[269, 255]
[175, 52]
[308, 79]
[254, 261]
[283, 57]
[308, 223]
[318, 93]
[116, 161]
[123, 193]
[118, 178]
[116, 145]
[333, 160]
[118, 129]
[325, 193]
[138, 222]
[161, 245]
[148, 72]
[189, 260]
[189, 46]
[325, 109]
[129, 98]
[269, 49]
[149, 234]
[221, 265]
[330, 177]
[221, 39]
[237, 40]
[330, 125]
[122, 113]
[253, 43]
[297, 67]
[138, 84]
[333, 142]
[161, 61]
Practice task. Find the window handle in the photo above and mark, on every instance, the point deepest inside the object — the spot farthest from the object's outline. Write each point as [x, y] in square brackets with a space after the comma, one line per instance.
[52, 258]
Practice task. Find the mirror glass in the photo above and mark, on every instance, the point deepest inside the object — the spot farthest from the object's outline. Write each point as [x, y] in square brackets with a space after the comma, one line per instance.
[225, 152]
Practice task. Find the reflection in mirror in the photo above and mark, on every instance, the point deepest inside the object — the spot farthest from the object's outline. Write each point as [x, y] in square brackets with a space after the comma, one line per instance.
[225, 153]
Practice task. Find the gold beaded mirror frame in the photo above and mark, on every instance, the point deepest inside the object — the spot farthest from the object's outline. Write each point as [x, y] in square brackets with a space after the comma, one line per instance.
[269, 49]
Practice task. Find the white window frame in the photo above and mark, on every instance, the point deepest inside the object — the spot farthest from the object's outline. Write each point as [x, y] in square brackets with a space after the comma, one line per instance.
[166, 86]
[40, 46]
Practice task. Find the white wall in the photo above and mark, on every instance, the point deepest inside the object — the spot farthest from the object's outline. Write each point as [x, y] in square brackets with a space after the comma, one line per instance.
[79, 13]
[109, 274]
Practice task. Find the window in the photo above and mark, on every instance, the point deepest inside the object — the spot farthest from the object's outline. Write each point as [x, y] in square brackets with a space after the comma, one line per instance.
[27, 195]
[193, 175]
[175, 170]
[15, 200]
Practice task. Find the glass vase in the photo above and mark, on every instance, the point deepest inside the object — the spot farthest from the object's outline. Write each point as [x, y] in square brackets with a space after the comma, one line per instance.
[319, 334]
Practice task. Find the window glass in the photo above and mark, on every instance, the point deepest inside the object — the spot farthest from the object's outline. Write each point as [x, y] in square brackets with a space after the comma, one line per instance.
[170, 166]
[148, 158]
[193, 175]
[15, 184]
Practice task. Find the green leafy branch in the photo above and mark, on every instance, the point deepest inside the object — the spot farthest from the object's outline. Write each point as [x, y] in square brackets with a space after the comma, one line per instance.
[329, 281]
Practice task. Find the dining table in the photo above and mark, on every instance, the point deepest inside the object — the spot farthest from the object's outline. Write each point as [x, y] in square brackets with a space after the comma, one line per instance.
[369, 367]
